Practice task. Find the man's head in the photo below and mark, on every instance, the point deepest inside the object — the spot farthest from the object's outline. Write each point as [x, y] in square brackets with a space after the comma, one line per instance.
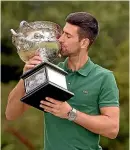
[88, 25]
[80, 31]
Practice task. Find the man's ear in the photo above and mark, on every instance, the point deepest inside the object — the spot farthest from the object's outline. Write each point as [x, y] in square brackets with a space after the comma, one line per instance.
[84, 43]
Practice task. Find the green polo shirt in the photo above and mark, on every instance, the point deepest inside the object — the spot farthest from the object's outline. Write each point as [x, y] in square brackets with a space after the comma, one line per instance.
[94, 87]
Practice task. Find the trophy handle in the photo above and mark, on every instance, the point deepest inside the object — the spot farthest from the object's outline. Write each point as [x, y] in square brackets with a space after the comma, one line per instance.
[14, 33]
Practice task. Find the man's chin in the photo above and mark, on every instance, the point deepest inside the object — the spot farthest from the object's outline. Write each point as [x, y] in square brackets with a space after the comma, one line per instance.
[63, 54]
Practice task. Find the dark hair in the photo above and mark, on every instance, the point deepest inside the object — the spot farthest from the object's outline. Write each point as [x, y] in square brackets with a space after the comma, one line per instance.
[87, 23]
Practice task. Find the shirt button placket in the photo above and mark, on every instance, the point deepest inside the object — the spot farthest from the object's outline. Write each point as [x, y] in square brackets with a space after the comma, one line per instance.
[69, 85]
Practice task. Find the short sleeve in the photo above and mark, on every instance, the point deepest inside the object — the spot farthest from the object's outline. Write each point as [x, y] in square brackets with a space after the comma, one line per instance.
[109, 94]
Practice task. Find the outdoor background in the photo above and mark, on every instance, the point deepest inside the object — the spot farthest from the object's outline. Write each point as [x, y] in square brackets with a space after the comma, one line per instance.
[111, 50]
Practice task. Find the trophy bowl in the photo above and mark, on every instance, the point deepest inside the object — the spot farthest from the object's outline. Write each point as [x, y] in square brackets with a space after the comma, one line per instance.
[46, 79]
[38, 36]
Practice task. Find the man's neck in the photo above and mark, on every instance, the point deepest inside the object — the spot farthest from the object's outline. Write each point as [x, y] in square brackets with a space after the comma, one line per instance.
[77, 62]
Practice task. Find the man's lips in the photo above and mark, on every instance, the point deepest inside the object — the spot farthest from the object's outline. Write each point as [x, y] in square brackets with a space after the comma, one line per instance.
[63, 48]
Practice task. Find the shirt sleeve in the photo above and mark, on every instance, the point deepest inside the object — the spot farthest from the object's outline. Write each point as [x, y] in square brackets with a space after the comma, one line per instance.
[109, 95]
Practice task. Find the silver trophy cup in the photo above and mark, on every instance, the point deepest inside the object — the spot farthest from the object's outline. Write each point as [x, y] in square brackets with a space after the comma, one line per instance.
[46, 79]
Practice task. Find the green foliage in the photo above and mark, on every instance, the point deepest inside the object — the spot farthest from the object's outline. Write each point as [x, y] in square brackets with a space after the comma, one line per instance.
[110, 50]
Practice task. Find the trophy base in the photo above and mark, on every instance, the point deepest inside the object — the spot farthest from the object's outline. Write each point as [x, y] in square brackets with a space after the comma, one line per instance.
[45, 80]
[46, 90]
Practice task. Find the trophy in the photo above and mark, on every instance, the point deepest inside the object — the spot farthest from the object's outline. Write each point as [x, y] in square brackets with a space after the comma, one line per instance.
[46, 79]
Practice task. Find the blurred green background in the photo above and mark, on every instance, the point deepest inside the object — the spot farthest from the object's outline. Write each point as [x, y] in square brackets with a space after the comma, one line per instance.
[111, 50]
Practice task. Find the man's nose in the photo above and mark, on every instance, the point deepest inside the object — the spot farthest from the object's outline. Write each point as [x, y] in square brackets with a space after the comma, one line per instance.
[61, 39]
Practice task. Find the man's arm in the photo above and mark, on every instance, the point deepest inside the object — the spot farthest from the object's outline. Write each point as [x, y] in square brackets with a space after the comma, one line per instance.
[15, 107]
[106, 124]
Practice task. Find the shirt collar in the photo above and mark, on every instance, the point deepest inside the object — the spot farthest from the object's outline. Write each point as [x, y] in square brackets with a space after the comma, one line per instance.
[84, 71]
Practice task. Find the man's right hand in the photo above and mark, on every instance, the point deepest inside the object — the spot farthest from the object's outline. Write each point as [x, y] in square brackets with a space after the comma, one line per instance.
[35, 60]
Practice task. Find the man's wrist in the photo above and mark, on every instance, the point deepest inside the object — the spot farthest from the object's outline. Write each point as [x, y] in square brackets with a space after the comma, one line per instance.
[72, 114]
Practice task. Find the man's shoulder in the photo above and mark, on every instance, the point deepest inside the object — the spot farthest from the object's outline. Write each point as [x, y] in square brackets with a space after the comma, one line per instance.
[102, 73]
[101, 70]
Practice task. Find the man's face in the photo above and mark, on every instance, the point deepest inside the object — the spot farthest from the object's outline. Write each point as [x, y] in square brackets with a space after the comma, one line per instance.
[69, 40]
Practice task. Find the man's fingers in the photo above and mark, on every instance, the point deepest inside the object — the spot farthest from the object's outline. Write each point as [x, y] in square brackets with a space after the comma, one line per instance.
[28, 67]
[33, 62]
[52, 100]
[48, 104]
[48, 109]
[36, 57]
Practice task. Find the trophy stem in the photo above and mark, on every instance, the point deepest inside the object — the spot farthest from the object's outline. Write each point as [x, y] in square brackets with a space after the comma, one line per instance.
[43, 54]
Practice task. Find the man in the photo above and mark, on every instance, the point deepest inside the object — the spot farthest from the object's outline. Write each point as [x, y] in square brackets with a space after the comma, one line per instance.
[94, 110]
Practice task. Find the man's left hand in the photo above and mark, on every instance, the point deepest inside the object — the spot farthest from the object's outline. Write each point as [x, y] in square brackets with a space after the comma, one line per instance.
[55, 107]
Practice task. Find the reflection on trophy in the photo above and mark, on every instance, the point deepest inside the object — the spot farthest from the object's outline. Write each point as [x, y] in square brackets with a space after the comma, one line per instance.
[46, 79]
